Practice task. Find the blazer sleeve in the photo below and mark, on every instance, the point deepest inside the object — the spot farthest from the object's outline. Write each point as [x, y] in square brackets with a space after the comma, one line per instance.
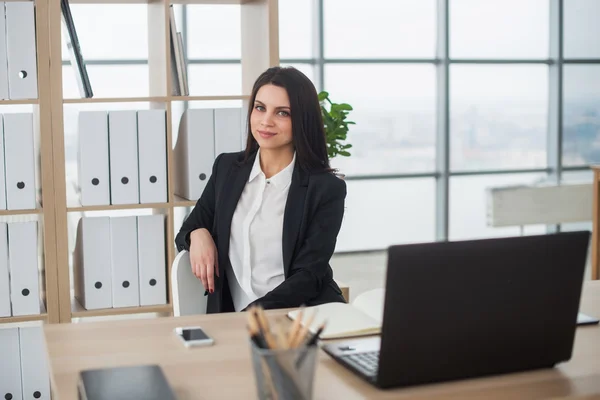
[311, 264]
[203, 214]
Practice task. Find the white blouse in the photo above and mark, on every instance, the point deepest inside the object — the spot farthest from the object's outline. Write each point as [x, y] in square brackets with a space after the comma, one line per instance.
[255, 244]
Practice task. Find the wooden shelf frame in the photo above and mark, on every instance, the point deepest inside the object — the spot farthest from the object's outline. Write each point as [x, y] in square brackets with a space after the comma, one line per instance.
[41, 108]
[260, 50]
[78, 311]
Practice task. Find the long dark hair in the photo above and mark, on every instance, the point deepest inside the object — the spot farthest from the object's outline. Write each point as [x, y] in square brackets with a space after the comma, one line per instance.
[308, 133]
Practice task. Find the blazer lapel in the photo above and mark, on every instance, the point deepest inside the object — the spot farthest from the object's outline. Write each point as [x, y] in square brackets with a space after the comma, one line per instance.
[232, 190]
[292, 218]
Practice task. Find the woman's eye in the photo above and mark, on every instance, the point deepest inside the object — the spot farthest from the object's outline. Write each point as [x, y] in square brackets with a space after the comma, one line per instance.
[259, 108]
[284, 113]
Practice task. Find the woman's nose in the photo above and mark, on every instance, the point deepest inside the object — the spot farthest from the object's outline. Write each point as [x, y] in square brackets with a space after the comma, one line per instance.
[267, 119]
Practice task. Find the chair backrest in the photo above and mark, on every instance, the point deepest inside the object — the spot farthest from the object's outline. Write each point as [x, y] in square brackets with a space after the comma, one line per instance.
[188, 292]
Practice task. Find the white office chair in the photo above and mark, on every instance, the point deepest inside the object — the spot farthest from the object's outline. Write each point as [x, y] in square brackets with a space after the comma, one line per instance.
[188, 292]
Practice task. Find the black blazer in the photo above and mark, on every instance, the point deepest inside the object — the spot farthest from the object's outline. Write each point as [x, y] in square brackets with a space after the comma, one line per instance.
[312, 219]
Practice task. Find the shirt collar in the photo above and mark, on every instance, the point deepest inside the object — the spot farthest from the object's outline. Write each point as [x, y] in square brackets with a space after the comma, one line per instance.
[282, 179]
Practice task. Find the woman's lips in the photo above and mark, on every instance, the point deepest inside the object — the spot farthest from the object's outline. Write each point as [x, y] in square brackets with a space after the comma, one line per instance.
[266, 134]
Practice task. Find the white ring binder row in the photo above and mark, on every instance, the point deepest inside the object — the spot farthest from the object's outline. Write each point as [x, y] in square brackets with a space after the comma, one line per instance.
[17, 162]
[19, 269]
[120, 262]
[24, 364]
[18, 56]
[203, 135]
[122, 157]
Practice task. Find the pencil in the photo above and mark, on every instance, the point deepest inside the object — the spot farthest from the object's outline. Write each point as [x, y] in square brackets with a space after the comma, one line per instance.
[264, 332]
[255, 332]
[311, 342]
[301, 336]
[263, 323]
[281, 336]
[295, 327]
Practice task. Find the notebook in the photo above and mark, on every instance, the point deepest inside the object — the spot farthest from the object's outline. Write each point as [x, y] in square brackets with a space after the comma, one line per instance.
[146, 382]
[360, 318]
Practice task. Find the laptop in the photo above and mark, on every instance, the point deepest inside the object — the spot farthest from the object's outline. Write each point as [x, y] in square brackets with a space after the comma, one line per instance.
[465, 309]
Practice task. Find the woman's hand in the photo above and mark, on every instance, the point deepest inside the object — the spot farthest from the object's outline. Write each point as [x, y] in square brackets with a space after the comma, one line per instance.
[204, 258]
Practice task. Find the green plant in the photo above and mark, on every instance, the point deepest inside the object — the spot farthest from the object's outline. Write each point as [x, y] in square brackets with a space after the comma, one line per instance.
[336, 126]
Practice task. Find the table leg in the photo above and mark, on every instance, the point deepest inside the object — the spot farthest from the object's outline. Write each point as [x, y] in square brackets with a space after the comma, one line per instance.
[596, 227]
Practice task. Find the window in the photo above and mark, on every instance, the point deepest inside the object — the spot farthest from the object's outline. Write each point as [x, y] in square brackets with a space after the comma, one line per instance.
[581, 115]
[394, 111]
[110, 80]
[380, 213]
[110, 31]
[215, 79]
[213, 32]
[297, 29]
[499, 116]
[469, 206]
[380, 28]
[581, 29]
[499, 29]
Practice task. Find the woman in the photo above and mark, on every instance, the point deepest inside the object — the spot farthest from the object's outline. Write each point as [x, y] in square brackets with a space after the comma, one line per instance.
[266, 225]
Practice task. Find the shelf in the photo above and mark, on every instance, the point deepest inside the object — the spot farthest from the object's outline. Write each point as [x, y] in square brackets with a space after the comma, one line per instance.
[158, 99]
[21, 212]
[207, 98]
[14, 102]
[42, 316]
[217, 2]
[113, 207]
[109, 1]
[181, 202]
[116, 100]
[24, 318]
[77, 310]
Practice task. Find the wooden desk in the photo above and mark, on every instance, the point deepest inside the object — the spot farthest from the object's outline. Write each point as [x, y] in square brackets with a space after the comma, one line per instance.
[223, 371]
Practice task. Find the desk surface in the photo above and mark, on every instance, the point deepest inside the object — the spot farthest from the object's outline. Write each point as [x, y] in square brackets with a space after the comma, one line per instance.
[224, 370]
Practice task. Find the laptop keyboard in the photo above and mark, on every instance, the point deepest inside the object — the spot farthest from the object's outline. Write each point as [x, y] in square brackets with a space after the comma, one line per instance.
[368, 362]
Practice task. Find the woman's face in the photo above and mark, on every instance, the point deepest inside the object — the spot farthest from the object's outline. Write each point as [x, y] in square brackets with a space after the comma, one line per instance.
[271, 120]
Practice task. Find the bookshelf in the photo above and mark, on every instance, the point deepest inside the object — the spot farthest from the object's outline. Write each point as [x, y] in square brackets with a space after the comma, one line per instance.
[44, 213]
[259, 50]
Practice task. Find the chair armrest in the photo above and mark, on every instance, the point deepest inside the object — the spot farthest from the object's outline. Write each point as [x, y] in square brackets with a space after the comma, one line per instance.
[345, 290]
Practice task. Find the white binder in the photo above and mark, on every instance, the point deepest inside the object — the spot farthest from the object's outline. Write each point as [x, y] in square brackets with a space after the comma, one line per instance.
[194, 153]
[10, 364]
[4, 277]
[35, 376]
[92, 158]
[2, 172]
[19, 160]
[91, 263]
[228, 135]
[124, 171]
[3, 59]
[151, 259]
[152, 153]
[23, 267]
[124, 261]
[21, 50]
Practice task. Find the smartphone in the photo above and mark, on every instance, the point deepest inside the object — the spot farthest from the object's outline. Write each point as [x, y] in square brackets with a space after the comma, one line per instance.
[193, 336]
[584, 319]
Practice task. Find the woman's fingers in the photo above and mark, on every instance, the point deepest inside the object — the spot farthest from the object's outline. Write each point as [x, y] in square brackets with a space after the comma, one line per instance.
[203, 276]
[210, 278]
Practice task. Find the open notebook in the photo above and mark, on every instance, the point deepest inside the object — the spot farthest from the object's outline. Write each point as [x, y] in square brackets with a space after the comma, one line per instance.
[362, 317]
